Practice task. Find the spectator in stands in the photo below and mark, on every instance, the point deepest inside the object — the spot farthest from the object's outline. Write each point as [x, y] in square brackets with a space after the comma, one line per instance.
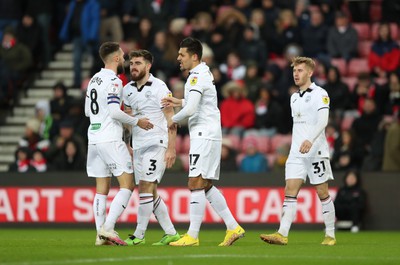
[10, 14]
[391, 154]
[130, 18]
[365, 88]
[287, 32]
[70, 159]
[338, 92]
[384, 56]
[254, 161]
[219, 44]
[110, 24]
[314, 36]
[158, 12]
[252, 81]
[233, 68]
[237, 112]
[257, 18]
[350, 201]
[58, 144]
[392, 104]
[359, 10]
[30, 34]
[41, 11]
[59, 106]
[391, 10]
[38, 161]
[22, 161]
[228, 156]
[342, 38]
[165, 55]
[219, 79]
[251, 47]
[15, 60]
[230, 24]
[145, 35]
[268, 113]
[347, 152]
[81, 25]
[42, 109]
[366, 125]
[202, 26]
[31, 138]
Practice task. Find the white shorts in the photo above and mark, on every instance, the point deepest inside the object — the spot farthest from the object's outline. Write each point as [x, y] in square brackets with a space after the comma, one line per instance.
[317, 169]
[149, 163]
[108, 159]
[205, 158]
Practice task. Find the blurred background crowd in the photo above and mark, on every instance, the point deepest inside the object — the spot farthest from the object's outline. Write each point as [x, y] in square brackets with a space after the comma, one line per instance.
[248, 45]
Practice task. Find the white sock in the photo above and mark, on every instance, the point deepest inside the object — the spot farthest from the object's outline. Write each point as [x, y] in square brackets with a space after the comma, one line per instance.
[197, 209]
[144, 213]
[328, 214]
[218, 202]
[99, 210]
[288, 214]
[160, 211]
[117, 206]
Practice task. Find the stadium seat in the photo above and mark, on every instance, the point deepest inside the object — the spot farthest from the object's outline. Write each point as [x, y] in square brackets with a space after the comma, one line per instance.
[235, 141]
[350, 81]
[185, 145]
[341, 65]
[178, 144]
[363, 30]
[394, 31]
[262, 143]
[358, 65]
[185, 161]
[279, 140]
[364, 48]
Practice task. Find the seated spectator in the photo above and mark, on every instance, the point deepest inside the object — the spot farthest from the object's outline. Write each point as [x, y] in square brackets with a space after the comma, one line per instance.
[252, 81]
[385, 53]
[31, 139]
[38, 161]
[338, 92]
[233, 69]
[254, 161]
[29, 33]
[391, 153]
[42, 109]
[342, 39]
[392, 104]
[71, 158]
[230, 24]
[22, 161]
[202, 27]
[268, 113]
[237, 112]
[228, 156]
[350, 201]
[365, 88]
[59, 106]
[15, 60]
[164, 53]
[314, 36]
[251, 47]
[347, 152]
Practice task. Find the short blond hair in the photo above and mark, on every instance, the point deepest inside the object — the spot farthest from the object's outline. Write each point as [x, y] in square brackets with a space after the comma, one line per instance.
[306, 60]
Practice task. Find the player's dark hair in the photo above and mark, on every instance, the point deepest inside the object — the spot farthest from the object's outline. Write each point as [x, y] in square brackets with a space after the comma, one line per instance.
[108, 48]
[193, 46]
[142, 53]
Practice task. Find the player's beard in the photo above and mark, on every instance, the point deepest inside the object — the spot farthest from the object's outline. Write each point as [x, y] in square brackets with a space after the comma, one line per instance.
[120, 69]
[138, 76]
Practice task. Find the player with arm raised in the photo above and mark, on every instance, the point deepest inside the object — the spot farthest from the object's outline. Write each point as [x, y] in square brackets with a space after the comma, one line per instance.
[200, 106]
[107, 153]
[154, 150]
[309, 153]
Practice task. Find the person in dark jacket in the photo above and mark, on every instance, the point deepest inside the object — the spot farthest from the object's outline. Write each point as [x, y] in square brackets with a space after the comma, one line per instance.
[350, 201]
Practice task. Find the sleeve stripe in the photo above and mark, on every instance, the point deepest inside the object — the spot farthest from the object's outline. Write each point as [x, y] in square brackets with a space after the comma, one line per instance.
[323, 108]
[109, 97]
[195, 91]
[109, 102]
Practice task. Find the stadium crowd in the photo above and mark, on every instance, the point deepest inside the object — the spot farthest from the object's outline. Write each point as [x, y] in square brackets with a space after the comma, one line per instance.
[249, 45]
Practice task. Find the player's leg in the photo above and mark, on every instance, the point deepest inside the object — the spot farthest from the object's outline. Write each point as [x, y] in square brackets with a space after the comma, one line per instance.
[295, 174]
[328, 213]
[160, 211]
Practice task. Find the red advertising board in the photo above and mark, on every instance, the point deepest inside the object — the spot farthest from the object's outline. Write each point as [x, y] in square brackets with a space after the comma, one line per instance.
[74, 204]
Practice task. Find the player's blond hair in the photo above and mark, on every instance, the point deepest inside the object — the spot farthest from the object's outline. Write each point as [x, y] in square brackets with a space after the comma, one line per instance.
[306, 60]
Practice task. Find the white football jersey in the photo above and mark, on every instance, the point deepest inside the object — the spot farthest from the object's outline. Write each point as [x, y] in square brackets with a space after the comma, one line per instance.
[145, 101]
[104, 88]
[206, 121]
[305, 106]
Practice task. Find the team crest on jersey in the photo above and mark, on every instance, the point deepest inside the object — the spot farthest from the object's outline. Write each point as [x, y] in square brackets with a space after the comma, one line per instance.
[193, 81]
[308, 98]
[325, 100]
[114, 87]
[148, 94]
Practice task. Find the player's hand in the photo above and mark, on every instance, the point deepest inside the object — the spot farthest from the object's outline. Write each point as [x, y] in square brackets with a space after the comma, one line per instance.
[171, 102]
[145, 124]
[170, 157]
[173, 126]
[305, 147]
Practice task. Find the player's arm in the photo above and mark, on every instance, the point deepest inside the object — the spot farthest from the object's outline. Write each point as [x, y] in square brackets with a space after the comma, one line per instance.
[127, 134]
[170, 154]
[316, 130]
[190, 107]
[172, 102]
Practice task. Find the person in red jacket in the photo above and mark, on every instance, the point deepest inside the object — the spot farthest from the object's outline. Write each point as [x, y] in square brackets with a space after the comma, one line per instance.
[385, 53]
[237, 112]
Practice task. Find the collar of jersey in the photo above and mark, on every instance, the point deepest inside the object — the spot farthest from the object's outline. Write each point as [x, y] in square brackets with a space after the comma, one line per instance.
[197, 68]
[148, 83]
[310, 89]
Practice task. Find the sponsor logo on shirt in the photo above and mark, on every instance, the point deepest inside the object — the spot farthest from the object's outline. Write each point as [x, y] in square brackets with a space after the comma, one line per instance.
[95, 126]
[325, 100]
[193, 81]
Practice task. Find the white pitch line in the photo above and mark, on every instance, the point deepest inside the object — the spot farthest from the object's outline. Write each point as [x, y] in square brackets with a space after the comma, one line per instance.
[194, 256]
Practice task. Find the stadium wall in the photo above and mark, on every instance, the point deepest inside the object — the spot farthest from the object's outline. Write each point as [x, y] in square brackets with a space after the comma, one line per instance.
[64, 199]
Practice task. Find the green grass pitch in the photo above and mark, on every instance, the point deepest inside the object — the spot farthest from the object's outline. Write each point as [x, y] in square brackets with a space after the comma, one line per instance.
[76, 246]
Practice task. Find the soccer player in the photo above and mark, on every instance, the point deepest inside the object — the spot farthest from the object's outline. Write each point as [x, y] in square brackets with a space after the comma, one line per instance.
[107, 153]
[153, 150]
[309, 152]
[200, 106]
